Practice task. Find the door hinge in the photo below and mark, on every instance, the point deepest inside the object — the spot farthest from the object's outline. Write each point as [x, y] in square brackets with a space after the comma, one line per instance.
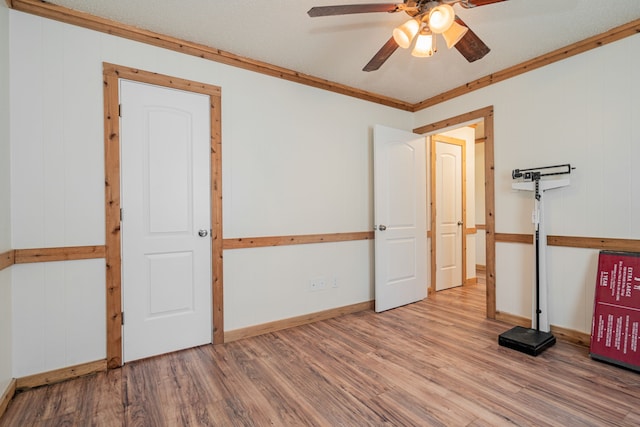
[119, 110]
[120, 214]
[122, 318]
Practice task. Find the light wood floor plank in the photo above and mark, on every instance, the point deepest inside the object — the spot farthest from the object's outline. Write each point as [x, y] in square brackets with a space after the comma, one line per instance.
[432, 363]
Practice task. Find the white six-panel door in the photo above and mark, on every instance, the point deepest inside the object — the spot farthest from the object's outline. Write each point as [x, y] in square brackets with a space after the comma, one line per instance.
[400, 215]
[165, 200]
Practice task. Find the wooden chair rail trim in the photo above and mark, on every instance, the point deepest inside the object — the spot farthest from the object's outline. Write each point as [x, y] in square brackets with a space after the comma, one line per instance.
[71, 253]
[260, 242]
[6, 396]
[600, 243]
[7, 259]
[514, 238]
[69, 16]
[62, 374]
[278, 325]
[23, 256]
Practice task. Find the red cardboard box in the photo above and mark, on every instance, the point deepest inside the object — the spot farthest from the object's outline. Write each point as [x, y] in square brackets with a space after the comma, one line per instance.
[615, 335]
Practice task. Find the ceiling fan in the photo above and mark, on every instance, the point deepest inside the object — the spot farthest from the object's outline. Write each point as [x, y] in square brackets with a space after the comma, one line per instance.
[428, 18]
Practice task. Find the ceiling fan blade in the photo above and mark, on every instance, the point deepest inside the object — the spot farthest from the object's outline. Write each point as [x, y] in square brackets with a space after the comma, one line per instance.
[383, 54]
[470, 46]
[475, 3]
[347, 9]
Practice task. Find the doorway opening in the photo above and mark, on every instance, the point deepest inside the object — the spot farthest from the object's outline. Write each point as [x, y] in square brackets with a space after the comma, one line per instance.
[485, 116]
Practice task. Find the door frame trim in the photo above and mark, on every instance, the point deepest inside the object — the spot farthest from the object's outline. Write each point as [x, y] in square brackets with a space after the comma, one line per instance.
[435, 139]
[113, 255]
[485, 114]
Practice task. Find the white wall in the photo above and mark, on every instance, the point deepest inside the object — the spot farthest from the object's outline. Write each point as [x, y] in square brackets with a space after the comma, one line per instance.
[584, 111]
[296, 160]
[5, 213]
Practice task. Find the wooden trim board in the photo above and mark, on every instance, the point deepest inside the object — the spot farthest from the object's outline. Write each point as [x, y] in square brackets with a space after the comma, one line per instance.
[62, 374]
[70, 253]
[260, 242]
[23, 256]
[609, 244]
[7, 259]
[7, 395]
[113, 268]
[215, 159]
[432, 225]
[514, 238]
[572, 336]
[512, 319]
[278, 325]
[599, 243]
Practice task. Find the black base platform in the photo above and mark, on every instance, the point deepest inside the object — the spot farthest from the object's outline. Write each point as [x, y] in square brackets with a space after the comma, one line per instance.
[526, 340]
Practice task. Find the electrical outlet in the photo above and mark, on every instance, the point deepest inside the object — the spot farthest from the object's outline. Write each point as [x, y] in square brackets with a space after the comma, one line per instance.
[317, 284]
[334, 282]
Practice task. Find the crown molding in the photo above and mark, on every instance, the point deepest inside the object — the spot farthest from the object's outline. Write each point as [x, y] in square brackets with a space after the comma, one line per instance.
[81, 19]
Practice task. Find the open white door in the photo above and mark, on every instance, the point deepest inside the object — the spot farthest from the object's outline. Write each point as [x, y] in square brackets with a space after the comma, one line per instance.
[400, 210]
[448, 211]
[166, 219]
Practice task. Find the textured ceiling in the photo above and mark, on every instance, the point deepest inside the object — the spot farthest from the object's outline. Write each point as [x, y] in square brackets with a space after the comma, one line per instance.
[335, 48]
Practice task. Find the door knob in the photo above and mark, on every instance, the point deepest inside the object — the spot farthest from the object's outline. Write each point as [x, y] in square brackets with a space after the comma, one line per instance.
[459, 222]
[382, 227]
[203, 233]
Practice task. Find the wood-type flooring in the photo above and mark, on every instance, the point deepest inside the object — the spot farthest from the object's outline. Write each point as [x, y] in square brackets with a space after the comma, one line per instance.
[432, 363]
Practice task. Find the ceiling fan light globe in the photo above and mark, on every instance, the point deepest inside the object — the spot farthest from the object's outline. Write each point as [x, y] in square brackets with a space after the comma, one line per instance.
[404, 34]
[441, 18]
[424, 46]
[454, 34]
